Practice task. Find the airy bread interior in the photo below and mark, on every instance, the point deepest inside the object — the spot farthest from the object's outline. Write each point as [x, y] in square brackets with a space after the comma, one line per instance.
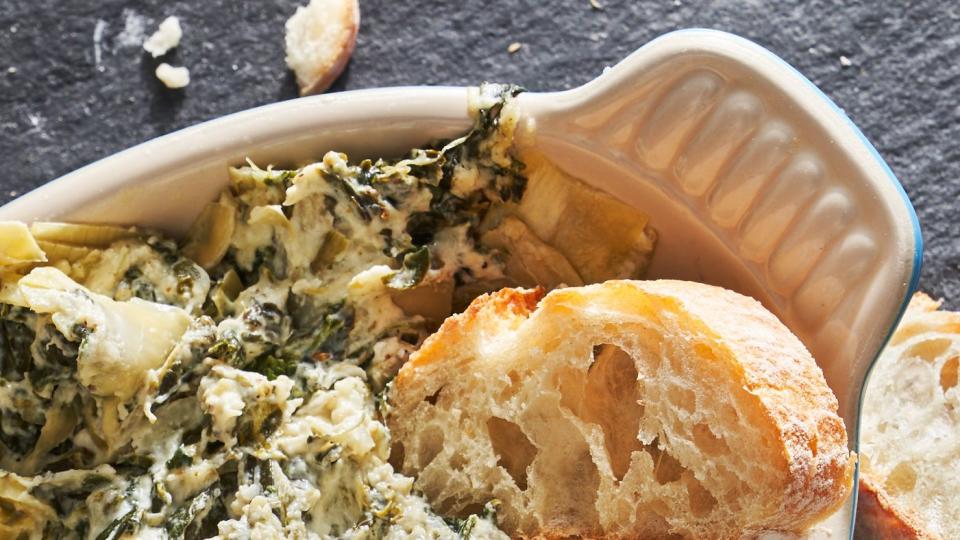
[628, 409]
[911, 417]
[320, 38]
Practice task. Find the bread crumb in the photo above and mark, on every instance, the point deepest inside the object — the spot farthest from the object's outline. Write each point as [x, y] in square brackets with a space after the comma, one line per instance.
[320, 38]
[134, 30]
[166, 37]
[596, 5]
[514, 47]
[845, 62]
[97, 40]
[173, 77]
[12, 69]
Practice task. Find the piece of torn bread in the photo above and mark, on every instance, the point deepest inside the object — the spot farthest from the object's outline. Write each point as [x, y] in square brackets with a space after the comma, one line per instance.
[631, 409]
[320, 38]
[910, 430]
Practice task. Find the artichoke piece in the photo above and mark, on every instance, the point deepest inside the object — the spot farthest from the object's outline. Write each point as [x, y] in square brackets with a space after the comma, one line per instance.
[603, 238]
[432, 300]
[57, 252]
[59, 425]
[226, 292]
[18, 246]
[257, 187]
[74, 234]
[21, 514]
[121, 341]
[334, 243]
[269, 214]
[530, 261]
[209, 237]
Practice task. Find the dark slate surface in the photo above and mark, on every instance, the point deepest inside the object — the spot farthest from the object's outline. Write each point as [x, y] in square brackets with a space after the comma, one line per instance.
[66, 101]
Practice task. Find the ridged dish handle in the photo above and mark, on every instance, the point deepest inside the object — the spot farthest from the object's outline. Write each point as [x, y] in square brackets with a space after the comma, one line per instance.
[768, 166]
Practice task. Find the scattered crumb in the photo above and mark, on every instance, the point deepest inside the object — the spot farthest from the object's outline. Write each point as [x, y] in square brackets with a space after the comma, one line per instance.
[13, 29]
[37, 124]
[134, 30]
[165, 38]
[845, 62]
[514, 47]
[13, 193]
[596, 5]
[97, 39]
[234, 67]
[12, 69]
[173, 77]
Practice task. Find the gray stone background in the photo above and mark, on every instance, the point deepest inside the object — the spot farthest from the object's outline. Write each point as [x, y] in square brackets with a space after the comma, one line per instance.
[75, 85]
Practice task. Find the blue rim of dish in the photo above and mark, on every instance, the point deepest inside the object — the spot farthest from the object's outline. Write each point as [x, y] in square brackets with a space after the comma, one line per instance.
[911, 214]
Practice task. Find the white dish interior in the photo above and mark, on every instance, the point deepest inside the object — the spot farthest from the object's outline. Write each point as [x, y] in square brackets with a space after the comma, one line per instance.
[753, 179]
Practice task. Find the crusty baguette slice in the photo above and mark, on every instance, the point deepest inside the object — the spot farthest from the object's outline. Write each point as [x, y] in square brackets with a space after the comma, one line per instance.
[879, 517]
[625, 410]
[909, 430]
[319, 40]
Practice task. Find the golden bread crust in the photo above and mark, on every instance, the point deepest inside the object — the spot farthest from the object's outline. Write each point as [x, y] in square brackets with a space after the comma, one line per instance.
[880, 518]
[519, 352]
[908, 428]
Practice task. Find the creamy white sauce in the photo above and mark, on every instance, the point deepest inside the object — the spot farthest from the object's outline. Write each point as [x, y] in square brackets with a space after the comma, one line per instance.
[255, 415]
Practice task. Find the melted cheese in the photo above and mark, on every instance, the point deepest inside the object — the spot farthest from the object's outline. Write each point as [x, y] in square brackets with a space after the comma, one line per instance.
[242, 392]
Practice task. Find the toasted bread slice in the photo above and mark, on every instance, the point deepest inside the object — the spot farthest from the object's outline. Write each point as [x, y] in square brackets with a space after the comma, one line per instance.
[623, 410]
[911, 418]
[320, 39]
[879, 517]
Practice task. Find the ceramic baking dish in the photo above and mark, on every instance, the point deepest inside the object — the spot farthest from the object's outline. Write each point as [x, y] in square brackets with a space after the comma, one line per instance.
[753, 178]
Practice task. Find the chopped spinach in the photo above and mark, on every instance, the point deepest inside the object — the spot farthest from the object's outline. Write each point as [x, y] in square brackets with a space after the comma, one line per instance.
[125, 523]
[415, 266]
[323, 340]
[265, 322]
[365, 199]
[319, 322]
[138, 285]
[134, 465]
[266, 329]
[179, 459]
[192, 513]
[229, 349]
[272, 366]
[54, 358]
[16, 433]
[16, 336]
[257, 423]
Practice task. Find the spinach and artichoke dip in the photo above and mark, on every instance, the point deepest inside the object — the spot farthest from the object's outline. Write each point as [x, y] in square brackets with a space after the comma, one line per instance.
[231, 385]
